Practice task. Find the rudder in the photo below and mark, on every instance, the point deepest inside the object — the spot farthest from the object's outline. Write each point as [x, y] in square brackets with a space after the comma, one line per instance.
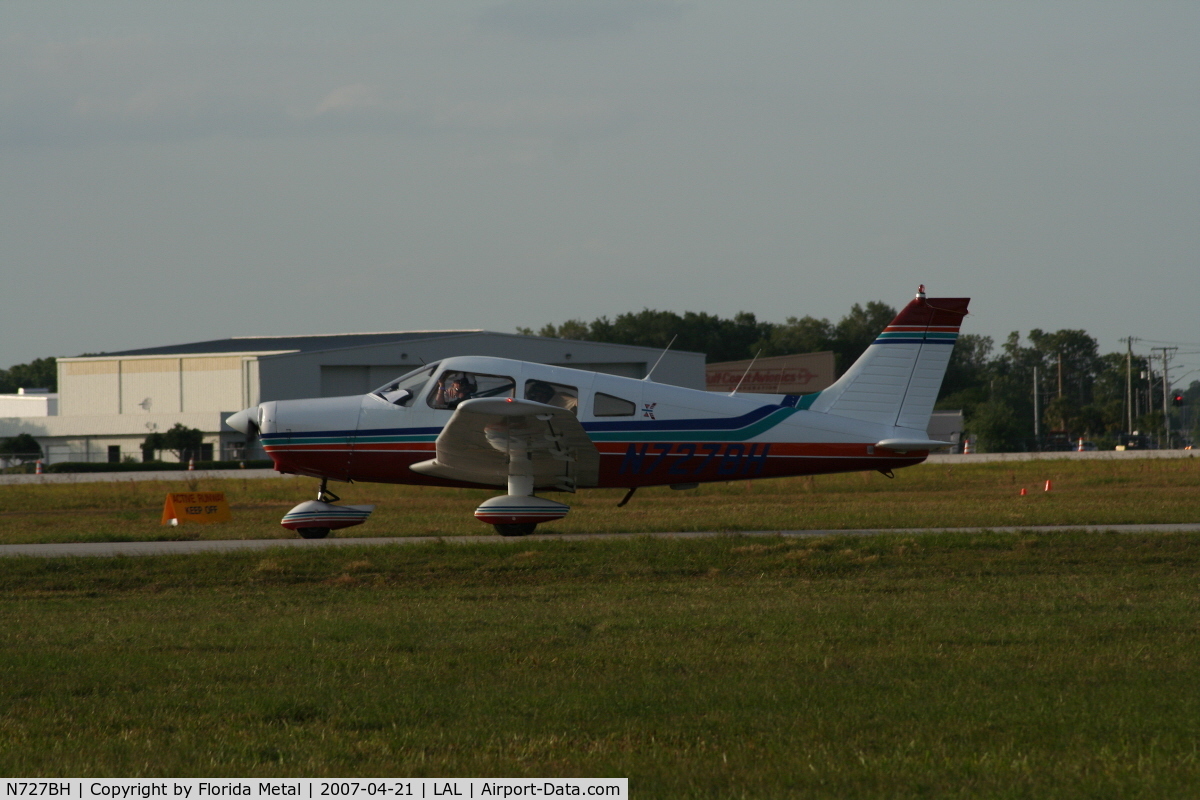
[897, 380]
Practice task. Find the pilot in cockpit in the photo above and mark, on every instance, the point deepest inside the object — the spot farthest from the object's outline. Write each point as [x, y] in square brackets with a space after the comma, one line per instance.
[452, 390]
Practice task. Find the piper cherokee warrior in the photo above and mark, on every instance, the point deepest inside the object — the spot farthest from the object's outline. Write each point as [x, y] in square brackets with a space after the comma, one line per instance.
[474, 421]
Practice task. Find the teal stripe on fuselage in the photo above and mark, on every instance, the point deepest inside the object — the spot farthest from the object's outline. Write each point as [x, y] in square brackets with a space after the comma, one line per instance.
[423, 437]
[696, 434]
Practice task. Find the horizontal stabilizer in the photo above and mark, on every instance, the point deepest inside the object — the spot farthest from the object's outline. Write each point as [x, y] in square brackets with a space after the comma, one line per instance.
[906, 445]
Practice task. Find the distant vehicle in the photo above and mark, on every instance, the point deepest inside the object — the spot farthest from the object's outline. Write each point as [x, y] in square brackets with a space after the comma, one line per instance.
[475, 421]
[1135, 441]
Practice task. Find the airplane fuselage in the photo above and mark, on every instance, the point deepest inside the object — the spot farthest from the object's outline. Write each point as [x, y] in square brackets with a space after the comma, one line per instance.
[646, 433]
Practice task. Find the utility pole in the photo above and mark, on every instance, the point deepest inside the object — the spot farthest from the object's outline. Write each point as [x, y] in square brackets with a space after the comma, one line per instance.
[1166, 357]
[1062, 419]
[1037, 429]
[1129, 340]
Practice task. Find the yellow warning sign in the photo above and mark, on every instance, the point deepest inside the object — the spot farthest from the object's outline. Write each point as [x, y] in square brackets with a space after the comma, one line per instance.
[201, 507]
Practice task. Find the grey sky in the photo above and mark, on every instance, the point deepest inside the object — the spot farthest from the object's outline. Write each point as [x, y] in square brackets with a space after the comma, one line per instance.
[176, 172]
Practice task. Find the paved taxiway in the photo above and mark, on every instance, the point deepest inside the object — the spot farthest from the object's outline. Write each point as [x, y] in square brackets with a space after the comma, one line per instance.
[87, 549]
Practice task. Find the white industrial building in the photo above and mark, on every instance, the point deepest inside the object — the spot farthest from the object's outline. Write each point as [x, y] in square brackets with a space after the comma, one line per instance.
[108, 403]
[29, 403]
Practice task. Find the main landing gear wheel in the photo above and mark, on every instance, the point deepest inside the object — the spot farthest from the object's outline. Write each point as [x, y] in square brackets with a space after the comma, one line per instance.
[521, 529]
[313, 533]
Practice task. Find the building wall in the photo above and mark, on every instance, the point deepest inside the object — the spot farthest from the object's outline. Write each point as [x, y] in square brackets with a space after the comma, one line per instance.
[338, 380]
[138, 386]
[150, 384]
[87, 438]
[795, 374]
[89, 387]
[36, 404]
[212, 384]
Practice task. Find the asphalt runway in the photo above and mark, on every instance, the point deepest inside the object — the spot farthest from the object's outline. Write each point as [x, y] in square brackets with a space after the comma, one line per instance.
[108, 549]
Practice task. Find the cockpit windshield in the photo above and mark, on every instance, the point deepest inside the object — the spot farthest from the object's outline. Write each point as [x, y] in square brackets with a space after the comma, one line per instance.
[404, 389]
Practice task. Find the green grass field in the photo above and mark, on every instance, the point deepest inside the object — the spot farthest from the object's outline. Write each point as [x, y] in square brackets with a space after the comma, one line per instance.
[939, 665]
[944, 665]
[1084, 493]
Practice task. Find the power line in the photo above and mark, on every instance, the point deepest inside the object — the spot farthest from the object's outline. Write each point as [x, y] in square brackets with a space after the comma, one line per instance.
[1161, 341]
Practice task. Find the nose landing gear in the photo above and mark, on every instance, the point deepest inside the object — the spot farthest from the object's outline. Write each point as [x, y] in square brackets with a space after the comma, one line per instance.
[314, 519]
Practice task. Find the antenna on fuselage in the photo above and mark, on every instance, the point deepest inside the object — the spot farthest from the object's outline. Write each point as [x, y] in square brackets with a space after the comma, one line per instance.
[660, 358]
[747, 372]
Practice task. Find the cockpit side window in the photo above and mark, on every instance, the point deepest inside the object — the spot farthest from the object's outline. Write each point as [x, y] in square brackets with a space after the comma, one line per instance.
[455, 386]
[403, 390]
[553, 394]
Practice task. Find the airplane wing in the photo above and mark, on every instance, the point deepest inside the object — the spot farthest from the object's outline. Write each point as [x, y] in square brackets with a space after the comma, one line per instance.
[474, 446]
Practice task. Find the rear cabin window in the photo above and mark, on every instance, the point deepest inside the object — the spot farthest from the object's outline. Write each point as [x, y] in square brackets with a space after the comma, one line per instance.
[605, 405]
[454, 386]
[553, 394]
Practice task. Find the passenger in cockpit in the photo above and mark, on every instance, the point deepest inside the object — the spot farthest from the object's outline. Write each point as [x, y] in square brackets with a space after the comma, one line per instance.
[542, 392]
[539, 392]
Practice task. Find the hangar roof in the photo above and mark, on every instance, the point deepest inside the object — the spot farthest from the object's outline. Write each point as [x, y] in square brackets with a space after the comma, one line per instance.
[290, 344]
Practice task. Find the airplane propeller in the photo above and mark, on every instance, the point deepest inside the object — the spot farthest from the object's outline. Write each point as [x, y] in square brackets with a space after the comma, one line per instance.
[245, 421]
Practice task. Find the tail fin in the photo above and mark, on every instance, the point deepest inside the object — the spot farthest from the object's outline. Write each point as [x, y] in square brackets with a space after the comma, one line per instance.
[896, 381]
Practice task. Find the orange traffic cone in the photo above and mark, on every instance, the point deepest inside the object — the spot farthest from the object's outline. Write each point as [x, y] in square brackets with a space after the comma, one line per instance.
[1049, 485]
[37, 468]
[1079, 447]
[966, 447]
[1023, 492]
[192, 465]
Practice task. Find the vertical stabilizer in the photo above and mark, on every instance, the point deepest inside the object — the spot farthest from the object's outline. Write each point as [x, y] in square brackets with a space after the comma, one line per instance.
[896, 381]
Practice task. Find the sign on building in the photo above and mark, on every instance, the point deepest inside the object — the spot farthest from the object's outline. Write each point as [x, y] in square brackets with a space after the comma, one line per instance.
[795, 374]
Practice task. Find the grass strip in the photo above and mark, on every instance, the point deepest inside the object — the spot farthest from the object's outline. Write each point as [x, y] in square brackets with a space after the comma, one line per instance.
[969, 495]
[949, 665]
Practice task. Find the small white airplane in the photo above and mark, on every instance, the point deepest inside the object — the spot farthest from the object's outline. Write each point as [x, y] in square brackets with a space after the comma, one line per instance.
[473, 421]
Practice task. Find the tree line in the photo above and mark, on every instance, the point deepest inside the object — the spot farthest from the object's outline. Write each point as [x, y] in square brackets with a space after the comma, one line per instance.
[734, 339]
[41, 373]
